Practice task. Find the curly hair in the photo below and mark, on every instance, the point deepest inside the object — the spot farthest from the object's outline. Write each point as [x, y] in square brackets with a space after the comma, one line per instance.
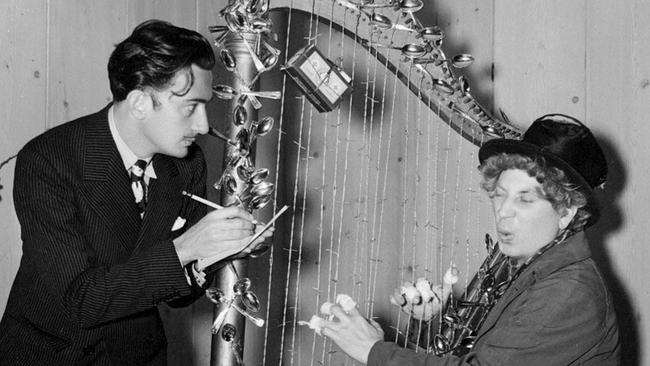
[152, 56]
[556, 186]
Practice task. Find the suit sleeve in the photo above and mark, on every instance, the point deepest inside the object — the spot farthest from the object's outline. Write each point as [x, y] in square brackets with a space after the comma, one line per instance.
[61, 262]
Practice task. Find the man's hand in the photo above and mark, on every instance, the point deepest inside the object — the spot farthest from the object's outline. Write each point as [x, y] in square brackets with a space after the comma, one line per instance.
[220, 233]
[354, 334]
[423, 301]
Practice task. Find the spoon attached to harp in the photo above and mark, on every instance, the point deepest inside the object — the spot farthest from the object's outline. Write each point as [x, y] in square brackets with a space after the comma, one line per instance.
[226, 92]
[459, 61]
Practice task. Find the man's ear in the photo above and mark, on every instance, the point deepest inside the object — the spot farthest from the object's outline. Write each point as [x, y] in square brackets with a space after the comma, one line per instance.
[567, 217]
[140, 103]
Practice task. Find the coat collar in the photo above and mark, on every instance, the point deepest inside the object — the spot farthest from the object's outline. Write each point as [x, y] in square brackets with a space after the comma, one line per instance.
[573, 249]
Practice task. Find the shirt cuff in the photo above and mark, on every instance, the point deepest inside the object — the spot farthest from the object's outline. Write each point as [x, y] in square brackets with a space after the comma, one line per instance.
[194, 276]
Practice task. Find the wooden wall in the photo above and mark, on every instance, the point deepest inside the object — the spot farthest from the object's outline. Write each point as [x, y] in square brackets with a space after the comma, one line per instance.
[589, 59]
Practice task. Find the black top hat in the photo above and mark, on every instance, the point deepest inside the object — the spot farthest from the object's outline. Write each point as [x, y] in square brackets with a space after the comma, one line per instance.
[566, 144]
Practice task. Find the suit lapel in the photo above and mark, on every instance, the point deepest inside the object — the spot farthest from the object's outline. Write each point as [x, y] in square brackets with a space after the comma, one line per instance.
[164, 201]
[107, 183]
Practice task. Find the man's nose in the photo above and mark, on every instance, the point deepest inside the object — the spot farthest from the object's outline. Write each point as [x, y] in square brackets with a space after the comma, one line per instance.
[504, 208]
[201, 125]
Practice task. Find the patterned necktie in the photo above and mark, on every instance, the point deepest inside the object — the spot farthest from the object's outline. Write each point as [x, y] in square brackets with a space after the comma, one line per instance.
[138, 184]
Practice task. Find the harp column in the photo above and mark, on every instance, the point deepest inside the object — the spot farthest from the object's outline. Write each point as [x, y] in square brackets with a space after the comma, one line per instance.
[227, 348]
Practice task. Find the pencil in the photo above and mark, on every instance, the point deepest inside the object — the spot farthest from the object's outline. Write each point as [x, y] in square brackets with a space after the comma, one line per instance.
[202, 200]
[212, 204]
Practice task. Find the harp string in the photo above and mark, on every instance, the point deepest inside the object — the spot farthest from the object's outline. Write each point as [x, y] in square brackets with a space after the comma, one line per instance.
[322, 186]
[298, 167]
[331, 251]
[404, 201]
[379, 241]
[313, 27]
[429, 212]
[471, 190]
[375, 242]
[333, 283]
[418, 119]
[275, 194]
[364, 186]
[362, 195]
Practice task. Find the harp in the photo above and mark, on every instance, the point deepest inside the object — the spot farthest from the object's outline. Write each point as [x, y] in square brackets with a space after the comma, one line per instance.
[382, 188]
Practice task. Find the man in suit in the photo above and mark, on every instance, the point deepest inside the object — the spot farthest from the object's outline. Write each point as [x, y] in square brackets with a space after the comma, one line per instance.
[105, 242]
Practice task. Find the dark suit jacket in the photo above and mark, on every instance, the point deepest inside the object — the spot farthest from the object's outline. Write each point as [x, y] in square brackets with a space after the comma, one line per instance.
[92, 271]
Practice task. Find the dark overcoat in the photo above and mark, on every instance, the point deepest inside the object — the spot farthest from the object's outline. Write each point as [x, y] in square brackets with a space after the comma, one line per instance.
[557, 312]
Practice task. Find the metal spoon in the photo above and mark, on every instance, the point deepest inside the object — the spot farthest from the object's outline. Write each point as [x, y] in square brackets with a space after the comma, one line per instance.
[412, 50]
[256, 59]
[243, 172]
[224, 92]
[227, 92]
[251, 302]
[236, 21]
[259, 322]
[228, 334]
[230, 184]
[258, 175]
[263, 126]
[442, 86]
[240, 115]
[269, 61]
[464, 85]
[459, 61]
[462, 60]
[215, 133]
[241, 285]
[258, 202]
[432, 33]
[260, 25]
[217, 28]
[262, 189]
[216, 296]
[411, 6]
[382, 22]
[228, 60]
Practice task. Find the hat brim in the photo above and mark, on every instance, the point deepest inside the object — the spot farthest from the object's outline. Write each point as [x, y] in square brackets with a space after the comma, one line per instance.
[510, 146]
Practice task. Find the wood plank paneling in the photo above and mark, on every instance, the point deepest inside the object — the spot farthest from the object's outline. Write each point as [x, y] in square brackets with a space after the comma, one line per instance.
[23, 75]
[618, 62]
[179, 13]
[468, 27]
[539, 54]
[81, 38]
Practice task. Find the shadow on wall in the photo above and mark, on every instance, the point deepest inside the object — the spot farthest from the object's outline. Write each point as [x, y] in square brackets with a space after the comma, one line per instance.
[610, 222]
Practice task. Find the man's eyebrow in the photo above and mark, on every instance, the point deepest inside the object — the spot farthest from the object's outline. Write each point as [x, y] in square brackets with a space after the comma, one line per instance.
[200, 100]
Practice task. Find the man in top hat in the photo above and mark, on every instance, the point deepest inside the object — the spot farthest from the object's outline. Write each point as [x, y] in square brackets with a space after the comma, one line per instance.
[555, 308]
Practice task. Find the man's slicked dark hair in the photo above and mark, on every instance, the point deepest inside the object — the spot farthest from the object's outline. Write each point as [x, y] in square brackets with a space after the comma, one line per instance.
[152, 55]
